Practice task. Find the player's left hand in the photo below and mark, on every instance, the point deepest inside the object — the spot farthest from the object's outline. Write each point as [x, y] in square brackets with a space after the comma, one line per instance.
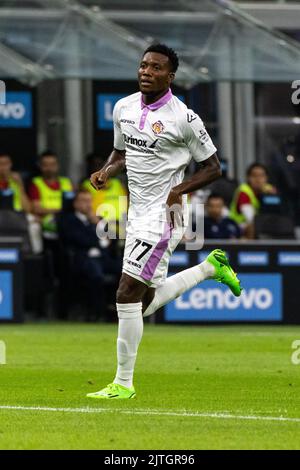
[174, 208]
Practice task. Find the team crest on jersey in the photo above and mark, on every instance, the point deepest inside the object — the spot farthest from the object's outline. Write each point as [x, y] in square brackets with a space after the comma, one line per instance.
[158, 127]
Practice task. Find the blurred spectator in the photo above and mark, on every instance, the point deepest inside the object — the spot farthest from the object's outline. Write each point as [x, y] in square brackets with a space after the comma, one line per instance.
[246, 201]
[10, 180]
[215, 224]
[92, 259]
[110, 202]
[13, 198]
[224, 186]
[285, 164]
[46, 192]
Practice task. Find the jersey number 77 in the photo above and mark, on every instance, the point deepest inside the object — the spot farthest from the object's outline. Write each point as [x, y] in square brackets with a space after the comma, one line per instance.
[140, 253]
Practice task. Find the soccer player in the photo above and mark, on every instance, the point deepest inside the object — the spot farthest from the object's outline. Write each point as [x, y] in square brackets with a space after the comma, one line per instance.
[155, 137]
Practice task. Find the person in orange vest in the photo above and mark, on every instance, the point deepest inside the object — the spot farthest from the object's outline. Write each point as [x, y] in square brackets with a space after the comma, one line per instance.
[10, 180]
[46, 193]
[246, 200]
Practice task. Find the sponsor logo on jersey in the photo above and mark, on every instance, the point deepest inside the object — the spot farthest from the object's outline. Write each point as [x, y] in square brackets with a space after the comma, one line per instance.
[158, 127]
[191, 117]
[133, 142]
[133, 263]
[153, 144]
[127, 121]
[204, 137]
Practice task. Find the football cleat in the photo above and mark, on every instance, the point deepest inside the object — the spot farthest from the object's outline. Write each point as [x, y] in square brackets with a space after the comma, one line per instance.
[113, 391]
[224, 272]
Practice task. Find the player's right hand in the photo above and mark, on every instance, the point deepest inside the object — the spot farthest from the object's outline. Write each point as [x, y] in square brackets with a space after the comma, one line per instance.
[174, 208]
[99, 179]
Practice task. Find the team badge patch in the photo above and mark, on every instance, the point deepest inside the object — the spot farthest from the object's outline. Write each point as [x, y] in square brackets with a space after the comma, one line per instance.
[158, 127]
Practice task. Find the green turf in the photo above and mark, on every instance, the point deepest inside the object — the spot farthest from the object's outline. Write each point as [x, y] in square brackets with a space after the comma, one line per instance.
[240, 370]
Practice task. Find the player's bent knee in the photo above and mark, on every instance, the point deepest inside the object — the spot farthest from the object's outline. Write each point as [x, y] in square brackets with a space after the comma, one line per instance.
[124, 296]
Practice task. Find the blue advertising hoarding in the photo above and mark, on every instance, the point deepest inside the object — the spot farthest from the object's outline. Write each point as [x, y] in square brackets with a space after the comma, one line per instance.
[6, 300]
[261, 300]
[105, 107]
[253, 258]
[179, 258]
[291, 258]
[9, 255]
[17, 111]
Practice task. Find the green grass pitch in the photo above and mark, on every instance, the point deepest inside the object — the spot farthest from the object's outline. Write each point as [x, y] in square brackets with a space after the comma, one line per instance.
[198, 387]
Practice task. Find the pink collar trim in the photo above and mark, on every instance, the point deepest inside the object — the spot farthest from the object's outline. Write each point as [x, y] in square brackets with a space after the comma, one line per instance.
[153, 106]
[159, 103]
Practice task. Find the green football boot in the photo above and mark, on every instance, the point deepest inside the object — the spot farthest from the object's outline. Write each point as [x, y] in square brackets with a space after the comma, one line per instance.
[224, 272]
[113, 391]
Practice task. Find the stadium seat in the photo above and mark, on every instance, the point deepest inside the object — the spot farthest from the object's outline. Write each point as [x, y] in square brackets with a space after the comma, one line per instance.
[75, 301]
[37, 288]
[270, 226]
[15, 224]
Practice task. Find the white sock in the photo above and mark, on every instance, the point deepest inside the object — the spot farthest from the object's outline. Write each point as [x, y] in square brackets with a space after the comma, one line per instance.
[129, 337]
[178, 284]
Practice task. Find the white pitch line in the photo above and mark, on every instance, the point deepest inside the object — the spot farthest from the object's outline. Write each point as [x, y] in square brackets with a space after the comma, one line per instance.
[150, 412]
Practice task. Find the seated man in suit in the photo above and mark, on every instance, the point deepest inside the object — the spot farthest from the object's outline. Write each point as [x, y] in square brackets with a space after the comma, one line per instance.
[92, 259]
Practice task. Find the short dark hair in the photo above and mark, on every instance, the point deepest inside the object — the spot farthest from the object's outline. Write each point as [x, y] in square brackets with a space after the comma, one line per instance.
[256, 165]
[167, 51]
[4, 153]
[81, 191]
[215, 196]
[47, 153]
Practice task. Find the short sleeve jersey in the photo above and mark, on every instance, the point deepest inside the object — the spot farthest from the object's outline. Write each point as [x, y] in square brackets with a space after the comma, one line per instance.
[159, 139]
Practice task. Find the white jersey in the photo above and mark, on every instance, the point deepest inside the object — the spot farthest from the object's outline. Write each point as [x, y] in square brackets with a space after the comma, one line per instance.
[159, 139]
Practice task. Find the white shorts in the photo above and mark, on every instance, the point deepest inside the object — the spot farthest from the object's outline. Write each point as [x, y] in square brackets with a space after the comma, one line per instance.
[148, 248]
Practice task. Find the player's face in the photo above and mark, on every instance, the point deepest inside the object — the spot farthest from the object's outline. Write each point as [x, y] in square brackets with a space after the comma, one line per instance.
[215, 208]
[155, 74]
[258, 179]
[5, 166]
[49, 167]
